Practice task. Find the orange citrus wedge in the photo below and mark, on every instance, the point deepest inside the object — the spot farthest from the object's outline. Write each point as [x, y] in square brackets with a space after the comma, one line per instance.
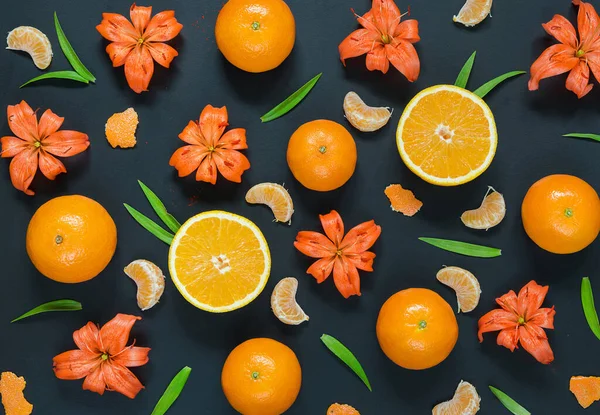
[120, 128]
[362, 116]
[402, 200]
[11, 389]
[447, 135]
[464, 283]
[150, 282]
[585, 389]
[473, 12]
[465, 402]
[489, 214]
[339, 409]
[275, 197]
[219, 261]
[34, 42]
[284, 305]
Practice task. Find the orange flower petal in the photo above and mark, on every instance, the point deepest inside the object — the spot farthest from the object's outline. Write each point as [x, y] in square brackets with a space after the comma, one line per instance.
[231, 164]
[555, 60]
[403, 56]
[362, 261]
[530, 299]
[139, 68]
[585, 389]
[75, 364]
[50, 166]
[509, 302]
[117, 28]
[207, 171]
[377, 59]
[534, 340]
[356, 44]
[321, 269]
[115, 334]
[94, 382]
[562, 30]
[333, 226]
[66, 143]
[544, 317]
[593, 61]
[163, 27]
[587, 24]
[133, 356]
[496, 320]
[191, 134]
[140, 17]
[578, 80]
[49, 124]
[314, 244]
[234, 139]
[408, 30]
[403, 200]
[11, 146]
[187, 159]
[509, 337]
[346, 278]
[162, 53]
[213, 122]
[22, 170]
[118, 52]
[120, 379]
[386, 15]
[22, 121]
[87, 338]
[360, 238]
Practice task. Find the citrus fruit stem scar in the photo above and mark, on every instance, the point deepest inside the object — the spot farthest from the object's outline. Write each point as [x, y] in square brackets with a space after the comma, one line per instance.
[322, 149]
[422, 324]
[568, 212]
[254, 375]
[255, 25]
[58, 239]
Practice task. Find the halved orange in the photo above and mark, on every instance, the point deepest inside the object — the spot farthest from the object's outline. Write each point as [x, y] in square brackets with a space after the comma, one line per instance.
[489, 214]
[465, 402]
[34, 42]
[473, 12]
[284, 305]
[447, 135]
[219, 261]
[276, 197]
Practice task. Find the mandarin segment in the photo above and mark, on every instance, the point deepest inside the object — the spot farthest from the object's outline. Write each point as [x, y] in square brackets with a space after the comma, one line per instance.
[403, 200]
[284, 305]
[120, 129]
[276, 197]
[363, 117]
[473, 12]
[34, 42]
[150, 282]
[585, 389]
[466, 401]
[11, 390]
[341, 409]
[489, 214]
[464, 283]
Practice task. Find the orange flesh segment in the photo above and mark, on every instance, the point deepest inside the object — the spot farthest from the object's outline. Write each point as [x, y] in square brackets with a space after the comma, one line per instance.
[473, 12]
[338, 409]
[120, 128]
[403, 200]
[34, 42]
[465, 402]
[150, 282]
[466, 285]
[284, 305]
[362, 116]
[489, 214]
[275, 197]
[585, 389]
[11, 389]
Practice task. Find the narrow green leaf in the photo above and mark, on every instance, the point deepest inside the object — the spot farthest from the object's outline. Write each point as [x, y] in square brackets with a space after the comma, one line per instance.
[589, 308]
[58, 305]
[345, 356]
[72, 75]
[70, 53]
[465, 72]
[583, 135]
[172, 392]
[291, 101]
[160, 209]
[463, 248]
[484, 89]
[509, 403]
[150, 225]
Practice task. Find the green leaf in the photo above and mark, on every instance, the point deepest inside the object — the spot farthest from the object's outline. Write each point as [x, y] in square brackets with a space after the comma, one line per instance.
[58, 305]
[150, 225]
[509, 403]
[463, 248]
[589, 308]
[465, 72]
[583, 135]
[291, 101]
[72, 75]
[172, 392]
[70, 53]
[484, 89]
[160, 209]
[345, 356]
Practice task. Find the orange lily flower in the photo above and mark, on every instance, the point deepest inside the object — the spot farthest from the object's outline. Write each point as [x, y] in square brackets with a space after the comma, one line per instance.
[576, 55]
[138, 45]
[103, 358]
[522, 320]
[211, 150]
[35, 144]
[385, 39]
[342, 255]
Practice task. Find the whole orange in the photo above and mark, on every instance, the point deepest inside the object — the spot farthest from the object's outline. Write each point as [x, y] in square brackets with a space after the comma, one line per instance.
[416, 328]
[322, 155]
[561, 213]
[255, 35]
[71, 239]
[261, 377]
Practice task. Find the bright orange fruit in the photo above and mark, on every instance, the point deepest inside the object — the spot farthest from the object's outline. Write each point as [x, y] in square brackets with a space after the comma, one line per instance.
[403, 200]
[255, 35]
[339, 409]
[466, 401]
[416, 328]
[261, 377]
[34, 42]
[561, 214]
[71, 239]
[322, 155]
[276, 197]
[11, 390]
[363, 117]
[489, 214]
[464, 283]
[120, 128]
[473, 12]
[585, 389]
[284, 305]
[150, 282]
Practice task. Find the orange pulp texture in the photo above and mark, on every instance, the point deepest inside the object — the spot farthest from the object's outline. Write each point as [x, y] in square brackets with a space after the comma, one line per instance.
[120, 128]
[11, 389]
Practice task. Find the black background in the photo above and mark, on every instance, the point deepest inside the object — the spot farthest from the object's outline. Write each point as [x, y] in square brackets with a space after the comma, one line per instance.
[530, 125]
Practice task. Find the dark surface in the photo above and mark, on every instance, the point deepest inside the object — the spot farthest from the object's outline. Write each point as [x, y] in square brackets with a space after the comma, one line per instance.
[530, 146]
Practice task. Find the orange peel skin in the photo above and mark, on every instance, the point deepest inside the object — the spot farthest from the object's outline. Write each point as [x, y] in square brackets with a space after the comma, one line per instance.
[13, 400]
[339, 409]
[403, 200]
[120, 129]
[585, 389]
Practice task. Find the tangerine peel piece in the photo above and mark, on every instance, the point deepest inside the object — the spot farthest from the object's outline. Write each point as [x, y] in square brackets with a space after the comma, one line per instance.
[403, 200]
[120, 128]
[13, 400]
[585, 389]
[341, 409]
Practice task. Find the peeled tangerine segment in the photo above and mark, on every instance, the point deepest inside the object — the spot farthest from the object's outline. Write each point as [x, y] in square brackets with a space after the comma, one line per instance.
[585, 389]
[33, 41]
[150, 282]
[473, 12]
[465, 402]
[274, 196]
[402, 200]
[362, 116]
[464, 283]
[339, 409]
[11, 389]
[489, 214]
[120, 128]
[284, 305]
